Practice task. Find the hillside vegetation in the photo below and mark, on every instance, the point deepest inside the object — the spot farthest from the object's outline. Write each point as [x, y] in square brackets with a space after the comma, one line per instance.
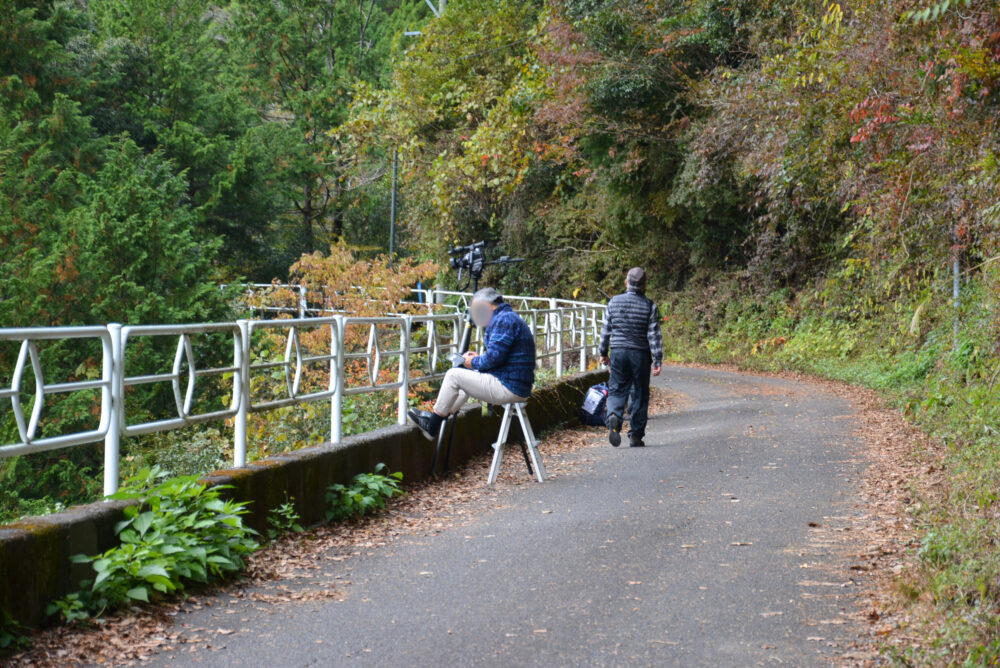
[806, 182]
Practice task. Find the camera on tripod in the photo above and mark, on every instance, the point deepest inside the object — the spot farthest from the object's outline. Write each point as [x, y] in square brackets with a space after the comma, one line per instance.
[472, 258]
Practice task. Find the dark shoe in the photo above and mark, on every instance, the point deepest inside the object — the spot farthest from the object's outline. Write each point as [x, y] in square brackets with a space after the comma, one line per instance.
[429, 423]
[615, 431]
[635, 441]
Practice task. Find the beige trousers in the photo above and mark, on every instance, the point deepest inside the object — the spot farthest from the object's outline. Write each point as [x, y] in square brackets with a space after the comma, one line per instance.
[460, 384]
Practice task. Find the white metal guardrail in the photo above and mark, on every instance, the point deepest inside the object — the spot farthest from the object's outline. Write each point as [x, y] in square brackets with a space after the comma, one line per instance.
[391, 353]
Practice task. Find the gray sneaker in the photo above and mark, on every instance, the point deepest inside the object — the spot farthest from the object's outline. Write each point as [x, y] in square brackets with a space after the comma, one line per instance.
[615, 431]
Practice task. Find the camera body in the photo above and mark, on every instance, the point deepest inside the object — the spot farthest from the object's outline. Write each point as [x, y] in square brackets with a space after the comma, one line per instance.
[471, 258]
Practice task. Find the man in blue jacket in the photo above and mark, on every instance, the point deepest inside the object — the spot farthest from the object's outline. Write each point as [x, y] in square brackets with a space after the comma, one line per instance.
[502, 374]
[631, 344]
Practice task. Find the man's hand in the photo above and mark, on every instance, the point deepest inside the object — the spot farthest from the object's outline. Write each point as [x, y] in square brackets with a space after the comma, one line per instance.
[605, 361]
[469, 356]
[656, 369]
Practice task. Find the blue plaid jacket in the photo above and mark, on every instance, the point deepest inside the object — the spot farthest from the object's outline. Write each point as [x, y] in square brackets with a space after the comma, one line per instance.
[509, 351]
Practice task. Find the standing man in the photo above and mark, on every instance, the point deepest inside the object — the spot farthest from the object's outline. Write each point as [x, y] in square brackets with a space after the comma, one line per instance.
[631, 336]
[503, 374]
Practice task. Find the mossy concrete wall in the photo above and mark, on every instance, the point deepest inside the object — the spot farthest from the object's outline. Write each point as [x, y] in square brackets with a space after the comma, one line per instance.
[35, 553]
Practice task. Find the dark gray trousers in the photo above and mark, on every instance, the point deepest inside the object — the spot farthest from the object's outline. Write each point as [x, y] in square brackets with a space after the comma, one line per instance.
[630, 370]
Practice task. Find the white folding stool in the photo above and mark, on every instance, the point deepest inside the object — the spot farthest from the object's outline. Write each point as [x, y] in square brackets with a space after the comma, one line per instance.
[530, 443]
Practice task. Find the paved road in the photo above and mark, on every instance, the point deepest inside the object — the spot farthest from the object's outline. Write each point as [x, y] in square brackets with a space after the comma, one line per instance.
[695, 551]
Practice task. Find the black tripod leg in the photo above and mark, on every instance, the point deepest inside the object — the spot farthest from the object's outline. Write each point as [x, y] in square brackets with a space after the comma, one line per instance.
[466, 342]
[451, 438]
[437, 448]
[527, 459]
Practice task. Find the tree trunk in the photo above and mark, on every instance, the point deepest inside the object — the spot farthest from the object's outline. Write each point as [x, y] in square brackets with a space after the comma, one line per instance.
[308, 238]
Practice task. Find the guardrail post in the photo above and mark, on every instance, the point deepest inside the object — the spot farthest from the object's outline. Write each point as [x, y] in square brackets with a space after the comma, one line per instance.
[303, 303]
[583, 337]
[557, 313]
[337, 348]
[595, 334]
[112, 439]
[242, 386]
[404, 367]
[559, 345]
[532, 317]
[549, 326]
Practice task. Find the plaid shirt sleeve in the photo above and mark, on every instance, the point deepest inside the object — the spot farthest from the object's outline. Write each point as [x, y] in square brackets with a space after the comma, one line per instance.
[655, 336]
[499, 341]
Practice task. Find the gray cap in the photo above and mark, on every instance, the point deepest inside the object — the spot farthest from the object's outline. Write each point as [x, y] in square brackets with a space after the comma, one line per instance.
[636, 277]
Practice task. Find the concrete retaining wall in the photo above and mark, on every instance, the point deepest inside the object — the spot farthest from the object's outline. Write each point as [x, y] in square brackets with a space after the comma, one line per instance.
[35, 566]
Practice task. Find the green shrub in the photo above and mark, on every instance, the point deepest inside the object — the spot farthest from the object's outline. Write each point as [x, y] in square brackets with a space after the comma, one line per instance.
[12, 635]
[283, 519]
[179, 531]
[367, 494]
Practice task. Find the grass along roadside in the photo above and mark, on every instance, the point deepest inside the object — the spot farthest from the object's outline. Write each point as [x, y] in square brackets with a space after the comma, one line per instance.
[940, 462]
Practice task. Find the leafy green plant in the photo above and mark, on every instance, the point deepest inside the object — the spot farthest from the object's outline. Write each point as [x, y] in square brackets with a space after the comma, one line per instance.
[12, 635]
[179, 531]
[283, 519]
[72, 607]
[367, 494]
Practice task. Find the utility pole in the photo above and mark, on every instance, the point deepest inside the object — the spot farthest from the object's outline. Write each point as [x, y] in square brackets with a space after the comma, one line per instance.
[438, 11]
[392, 205]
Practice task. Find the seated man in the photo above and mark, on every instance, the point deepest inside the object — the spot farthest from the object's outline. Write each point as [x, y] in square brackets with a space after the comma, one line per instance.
[503, 374]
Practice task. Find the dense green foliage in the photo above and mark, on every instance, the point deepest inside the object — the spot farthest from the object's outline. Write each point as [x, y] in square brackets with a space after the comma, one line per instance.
[150, 150]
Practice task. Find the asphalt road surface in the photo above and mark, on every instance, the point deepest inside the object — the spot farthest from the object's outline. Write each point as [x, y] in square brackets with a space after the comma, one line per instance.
[719, 544]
